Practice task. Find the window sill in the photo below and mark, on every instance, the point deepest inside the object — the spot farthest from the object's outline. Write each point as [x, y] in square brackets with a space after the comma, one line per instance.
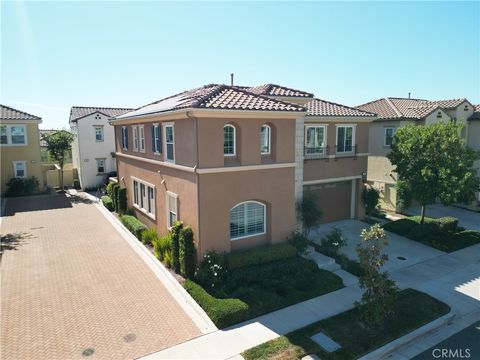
[144, 211]
[247, 236]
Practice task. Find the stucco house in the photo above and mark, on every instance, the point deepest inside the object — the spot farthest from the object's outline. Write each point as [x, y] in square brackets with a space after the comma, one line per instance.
[396, 112]
[20, 146]
[232, 161]
[93, 150]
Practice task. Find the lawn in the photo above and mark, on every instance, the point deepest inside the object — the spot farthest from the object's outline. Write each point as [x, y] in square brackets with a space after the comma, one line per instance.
[434, 233]
[412, 310]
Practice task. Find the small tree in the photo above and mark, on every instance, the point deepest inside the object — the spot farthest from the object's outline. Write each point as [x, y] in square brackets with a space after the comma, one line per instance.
[433, 162]
[380, 291]
[59, 145]
[309, 213]
[370, 197]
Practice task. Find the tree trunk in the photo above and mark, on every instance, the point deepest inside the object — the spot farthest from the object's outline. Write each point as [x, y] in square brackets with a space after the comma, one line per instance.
[422, 214]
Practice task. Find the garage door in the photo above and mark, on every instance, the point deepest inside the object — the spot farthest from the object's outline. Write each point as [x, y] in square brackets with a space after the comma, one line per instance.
[334, 199]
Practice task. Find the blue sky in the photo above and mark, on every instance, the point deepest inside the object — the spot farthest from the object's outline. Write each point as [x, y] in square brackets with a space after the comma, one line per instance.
[126, 54]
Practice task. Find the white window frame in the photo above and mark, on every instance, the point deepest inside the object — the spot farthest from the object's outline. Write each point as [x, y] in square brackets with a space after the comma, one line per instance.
[96, 127]
[124, 138]
[9, 134]
[141, 142]
[385, 136]
[264, 220]
[324, 139]
[156, 136]
[168, 196]
[104, 165]
[143, 199]
[24, 163]
[234, 140]
[354, 127]
[135, 137]
[165, 143]
[269, 138]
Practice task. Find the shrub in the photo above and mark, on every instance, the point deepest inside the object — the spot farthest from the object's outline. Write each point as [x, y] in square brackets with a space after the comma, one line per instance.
[135, 226]
[149, 236]
[76, 184]
[212, 270]
[109, 188]
[115, 189]
[175, 232]
[309, 212]
[299, 241]
[223, 312]
[162, 247]
[423, 231]
[107, 202]
[333, 241]
[401, 227]
[187, 252]
[22, 186]
[370, 197]
[447, 224]
[122, 200]
[260, 255]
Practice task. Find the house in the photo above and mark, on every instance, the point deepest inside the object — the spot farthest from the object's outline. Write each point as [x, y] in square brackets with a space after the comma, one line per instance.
[396, 112]
[20, 146]
[93, 150]
[232, 162]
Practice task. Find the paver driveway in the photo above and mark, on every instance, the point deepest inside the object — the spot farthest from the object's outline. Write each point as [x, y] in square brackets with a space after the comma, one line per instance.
[70, 282]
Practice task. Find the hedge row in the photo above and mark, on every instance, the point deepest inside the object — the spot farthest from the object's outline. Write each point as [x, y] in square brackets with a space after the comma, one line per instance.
[135, 226]
[107, 202]
[260, 255]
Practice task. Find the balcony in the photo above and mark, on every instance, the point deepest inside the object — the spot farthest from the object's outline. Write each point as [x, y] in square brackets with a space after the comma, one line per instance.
[346, 151]
[310, 152]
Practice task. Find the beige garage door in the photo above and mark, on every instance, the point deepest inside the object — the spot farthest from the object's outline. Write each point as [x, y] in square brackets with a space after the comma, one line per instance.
[334, 199]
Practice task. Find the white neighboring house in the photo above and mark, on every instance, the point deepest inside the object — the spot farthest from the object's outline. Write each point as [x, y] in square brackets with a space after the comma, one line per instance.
[93, 150]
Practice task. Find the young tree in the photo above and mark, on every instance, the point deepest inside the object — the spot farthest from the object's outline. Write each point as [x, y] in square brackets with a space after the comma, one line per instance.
[370, 197]
[59, 144]
[380, 293]
[309, 213]
[433, 162]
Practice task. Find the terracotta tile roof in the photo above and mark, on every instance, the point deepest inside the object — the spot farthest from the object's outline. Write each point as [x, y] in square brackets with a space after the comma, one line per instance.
[278, 90]
[44, 133]
[476, 113]
[8, 113]
[215, 97]
[447, 104]
[318, 107]
[78, 112]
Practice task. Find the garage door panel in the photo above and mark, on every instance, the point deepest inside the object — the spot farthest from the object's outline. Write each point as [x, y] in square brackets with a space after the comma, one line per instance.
[334, 199]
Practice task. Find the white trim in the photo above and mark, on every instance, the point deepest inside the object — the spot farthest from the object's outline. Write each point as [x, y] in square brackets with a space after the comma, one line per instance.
[382, 181]
[19, 121]
[385, 136]
[353, 198]
[104, 165]
[24, 162]
[324, 126]
[340, 119]
[330, 180]
[269, 140]
[354, 133]
[139, 195]
[135, 138]
[141, 138]
[157, 162]
[170, 194]
[244, 168]
[264, 219]
[234, 140]
[165, 147]
[156, 126]
[124, 138]
[95, 127]
[9, 134]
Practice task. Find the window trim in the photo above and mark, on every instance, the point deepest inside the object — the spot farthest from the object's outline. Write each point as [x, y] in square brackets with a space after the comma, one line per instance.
[385, 136]
[175, 196]
[104, 166]
[157, 150]
[138, 195]
[124, 138]
[264, 219]
[135, 138]
[353, 126]
[9, 134]
[95, 127]
[234, 140]
[324, 126]
[165, 143]
[269, 152]
[141, 138]
[15, 162]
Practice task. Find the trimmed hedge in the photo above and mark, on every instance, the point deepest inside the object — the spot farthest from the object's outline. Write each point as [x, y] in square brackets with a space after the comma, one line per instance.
[223, 312]
[187, 252]
[122, 200]
[107, 202]
[175, 232]
[261, 255]
[135, 226]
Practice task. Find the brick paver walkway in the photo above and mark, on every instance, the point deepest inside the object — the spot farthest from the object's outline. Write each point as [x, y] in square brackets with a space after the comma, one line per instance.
[70, 282]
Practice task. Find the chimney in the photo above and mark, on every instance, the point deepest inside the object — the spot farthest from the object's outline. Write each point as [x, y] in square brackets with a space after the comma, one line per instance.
[409, 95]
[231, 79]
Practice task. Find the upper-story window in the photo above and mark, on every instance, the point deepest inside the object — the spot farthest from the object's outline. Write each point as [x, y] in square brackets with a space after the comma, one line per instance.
[315, 138]
[20, 169]
[265, 139]
[345, 138]
[135, 137]
[13, 135]
[156, 139]
[229, 140]
[98, 133]
[169, 143]
[141, 129]
[389, 136]
[124, 138]
[247, 219]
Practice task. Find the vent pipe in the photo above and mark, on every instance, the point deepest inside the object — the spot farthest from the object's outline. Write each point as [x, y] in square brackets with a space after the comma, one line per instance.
[409, 95]
[231, 79]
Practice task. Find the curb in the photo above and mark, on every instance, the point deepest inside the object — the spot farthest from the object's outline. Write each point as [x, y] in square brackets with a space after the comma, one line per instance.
[183, 298]
[387, 349]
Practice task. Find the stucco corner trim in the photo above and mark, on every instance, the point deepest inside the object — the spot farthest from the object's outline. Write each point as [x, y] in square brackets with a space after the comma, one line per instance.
[244, 168]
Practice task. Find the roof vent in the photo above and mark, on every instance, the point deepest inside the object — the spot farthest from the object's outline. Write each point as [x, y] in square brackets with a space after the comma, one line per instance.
[231, 79]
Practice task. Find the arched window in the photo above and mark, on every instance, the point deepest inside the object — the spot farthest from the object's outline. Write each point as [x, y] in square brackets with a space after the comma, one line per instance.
[247, 219]
[229, 140]
[265, 139]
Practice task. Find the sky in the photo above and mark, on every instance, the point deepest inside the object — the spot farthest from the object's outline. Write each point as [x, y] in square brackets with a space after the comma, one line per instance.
[55, 55]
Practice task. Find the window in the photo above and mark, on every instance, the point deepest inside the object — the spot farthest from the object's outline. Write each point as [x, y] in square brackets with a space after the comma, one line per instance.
[265, 139]
[150, 200]
[100, 166]
[389, 134]
[172, 214]
[156, 139]
[345, 138]
[13, 135]
[135, 192]
[124, 138]
[169, 143]
[247, 219]
[135, 138]
[144, 197]
[141, 128]
[229, 140]
[20, 169]
[98, 133]
[315, 140]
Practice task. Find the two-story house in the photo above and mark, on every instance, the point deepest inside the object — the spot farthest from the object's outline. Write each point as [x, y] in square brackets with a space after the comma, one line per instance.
[93, 150]
[396, 112]
[20, 146]
[232, 162]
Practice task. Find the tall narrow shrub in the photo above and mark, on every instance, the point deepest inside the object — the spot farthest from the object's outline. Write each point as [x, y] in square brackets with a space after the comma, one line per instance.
[175, 232]
[110, 188]
[122, 200]
[115, 189]
[187, 253]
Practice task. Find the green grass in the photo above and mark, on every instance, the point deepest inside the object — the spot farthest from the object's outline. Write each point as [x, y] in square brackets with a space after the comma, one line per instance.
[351, 266]
[412, 310]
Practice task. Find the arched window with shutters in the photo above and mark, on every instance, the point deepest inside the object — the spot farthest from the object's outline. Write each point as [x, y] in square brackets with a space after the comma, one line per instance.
[247, 219]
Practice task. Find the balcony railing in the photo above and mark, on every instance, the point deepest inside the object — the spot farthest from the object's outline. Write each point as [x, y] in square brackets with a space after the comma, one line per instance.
[346, 150]
[315, 152]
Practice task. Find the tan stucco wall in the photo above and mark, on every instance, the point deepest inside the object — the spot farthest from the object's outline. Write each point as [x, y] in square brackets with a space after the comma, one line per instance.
[318, 169]
[29, 153]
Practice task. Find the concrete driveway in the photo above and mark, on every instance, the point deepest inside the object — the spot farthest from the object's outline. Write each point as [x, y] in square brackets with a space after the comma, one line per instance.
[401, 251]
[73, 288]
[466, 218]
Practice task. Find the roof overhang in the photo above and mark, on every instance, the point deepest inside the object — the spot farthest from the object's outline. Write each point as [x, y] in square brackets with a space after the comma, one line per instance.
[339, 118]
[20, 121]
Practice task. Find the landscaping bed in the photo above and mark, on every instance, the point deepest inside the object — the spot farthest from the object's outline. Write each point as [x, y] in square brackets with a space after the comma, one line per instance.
[351, 266]
[412, 310]
[440, 233]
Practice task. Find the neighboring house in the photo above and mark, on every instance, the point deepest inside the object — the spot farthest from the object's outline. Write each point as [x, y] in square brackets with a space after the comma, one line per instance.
[93, 150]
[396, 112]
[232, 162]
[20, 146]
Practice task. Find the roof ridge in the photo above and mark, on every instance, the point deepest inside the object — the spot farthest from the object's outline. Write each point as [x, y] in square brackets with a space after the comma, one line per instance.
[389, 102]
[20, 111]
[100, 107]
[216, 89]
[291, 88]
